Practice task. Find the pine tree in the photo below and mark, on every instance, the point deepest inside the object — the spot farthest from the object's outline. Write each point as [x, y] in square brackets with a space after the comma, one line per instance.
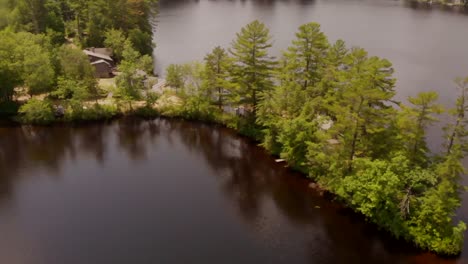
[306, 57]
[362, 108]
[253, 67]
[129, 82]
[456, 131]
[299, 72]
[115, 40]
[412, 123]
[217, 66]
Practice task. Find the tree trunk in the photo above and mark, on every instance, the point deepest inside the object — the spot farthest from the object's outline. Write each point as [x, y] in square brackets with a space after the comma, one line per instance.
[353, 146]
[220, 96]
[78, 30]
[420, 128]
[452, 136]
[355, 137]
[220, 99]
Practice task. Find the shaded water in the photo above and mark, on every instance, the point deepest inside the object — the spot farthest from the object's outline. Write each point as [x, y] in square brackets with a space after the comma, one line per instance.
[168, 192]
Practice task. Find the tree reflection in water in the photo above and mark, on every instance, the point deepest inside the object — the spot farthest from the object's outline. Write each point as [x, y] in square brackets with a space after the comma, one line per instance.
[271, 200]
[249, 177]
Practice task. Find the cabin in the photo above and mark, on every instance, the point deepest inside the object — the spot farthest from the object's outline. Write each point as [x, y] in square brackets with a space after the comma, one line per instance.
[95, 55]
[101, 59]
[103, 69]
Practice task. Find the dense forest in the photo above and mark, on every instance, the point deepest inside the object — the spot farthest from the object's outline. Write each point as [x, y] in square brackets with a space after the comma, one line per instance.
[444, 2]
[41, 44]
[86, 21]
[326, 108]
[329, 111]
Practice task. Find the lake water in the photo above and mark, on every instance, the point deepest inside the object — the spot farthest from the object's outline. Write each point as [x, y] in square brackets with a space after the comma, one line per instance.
[167, 191]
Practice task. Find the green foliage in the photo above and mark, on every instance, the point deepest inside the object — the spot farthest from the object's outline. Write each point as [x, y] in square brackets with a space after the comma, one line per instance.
[75, 66]
[217, 84]
[77, 112]
[130, 80]
[132, 17]
[413, 121]
[146, 112]
[305, 59]
[115, 40]
[5, 13]
[37, 112]
[24, 60]
[142, 41]
[361, 105]
[198, 108]
[431, 225]
[197, 101]
[373, 190]
[294, 138]
[253, 66]
[68, 89]
[456, 132]
[151, 98]
[86, 20]
[174, 76]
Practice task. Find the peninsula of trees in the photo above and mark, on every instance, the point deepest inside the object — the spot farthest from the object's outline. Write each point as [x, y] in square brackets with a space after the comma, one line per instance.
[325, 108]
[328, 110]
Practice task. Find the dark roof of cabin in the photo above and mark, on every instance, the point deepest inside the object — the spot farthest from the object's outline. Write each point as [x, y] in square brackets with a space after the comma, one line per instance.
[98, 55]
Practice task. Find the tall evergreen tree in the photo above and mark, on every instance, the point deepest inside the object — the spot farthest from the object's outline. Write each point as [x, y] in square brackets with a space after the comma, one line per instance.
[362, 110]
[456, 131]
[413, 122]
[217, 66]
[253, 66]
[299, 71]
[306, 57]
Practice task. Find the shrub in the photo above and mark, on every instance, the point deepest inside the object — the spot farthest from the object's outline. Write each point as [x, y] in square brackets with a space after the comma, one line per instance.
[77, 112]
[37, 112]
[146, 112]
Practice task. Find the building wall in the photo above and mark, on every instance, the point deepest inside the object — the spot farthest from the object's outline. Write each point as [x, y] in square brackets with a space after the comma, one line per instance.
[102, 70]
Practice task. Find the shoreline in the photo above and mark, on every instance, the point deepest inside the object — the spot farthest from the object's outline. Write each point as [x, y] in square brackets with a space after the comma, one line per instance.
[442, 5]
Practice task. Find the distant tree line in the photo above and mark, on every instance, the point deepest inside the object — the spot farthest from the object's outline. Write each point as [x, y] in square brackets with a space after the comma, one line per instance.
[330, 111]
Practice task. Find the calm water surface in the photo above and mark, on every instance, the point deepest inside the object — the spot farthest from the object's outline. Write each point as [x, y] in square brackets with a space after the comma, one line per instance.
[168, 192]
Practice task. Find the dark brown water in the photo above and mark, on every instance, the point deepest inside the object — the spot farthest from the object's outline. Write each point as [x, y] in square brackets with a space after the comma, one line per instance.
[168, 192]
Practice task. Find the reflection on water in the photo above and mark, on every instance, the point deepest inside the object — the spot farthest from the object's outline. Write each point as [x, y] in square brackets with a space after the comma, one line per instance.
[166, 191]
